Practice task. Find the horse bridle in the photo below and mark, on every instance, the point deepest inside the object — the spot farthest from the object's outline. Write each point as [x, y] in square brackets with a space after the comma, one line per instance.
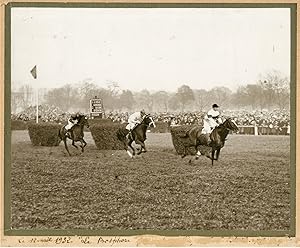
[86, 118]
[229, 128]
[152, 121]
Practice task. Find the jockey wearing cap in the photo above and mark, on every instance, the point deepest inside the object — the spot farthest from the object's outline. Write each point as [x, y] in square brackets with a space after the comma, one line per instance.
[211, 119]
[135, 119]
[73, 120]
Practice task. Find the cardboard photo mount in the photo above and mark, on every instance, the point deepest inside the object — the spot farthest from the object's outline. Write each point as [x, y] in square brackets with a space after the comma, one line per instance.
[155, 239]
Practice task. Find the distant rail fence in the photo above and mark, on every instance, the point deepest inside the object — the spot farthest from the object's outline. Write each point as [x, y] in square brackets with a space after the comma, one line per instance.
[264, 130]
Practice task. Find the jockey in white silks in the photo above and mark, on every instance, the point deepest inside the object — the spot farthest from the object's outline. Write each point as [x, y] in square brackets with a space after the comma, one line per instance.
[135, 119]
[211, 119]
[73, 120]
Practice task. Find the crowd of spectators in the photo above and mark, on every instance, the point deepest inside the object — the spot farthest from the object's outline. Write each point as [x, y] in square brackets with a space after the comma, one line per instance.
[46, 114]
[277, 119]
[118, 117]
[264, 118]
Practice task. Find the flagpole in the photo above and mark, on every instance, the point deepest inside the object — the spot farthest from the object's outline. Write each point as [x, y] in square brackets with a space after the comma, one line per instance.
[37, 105]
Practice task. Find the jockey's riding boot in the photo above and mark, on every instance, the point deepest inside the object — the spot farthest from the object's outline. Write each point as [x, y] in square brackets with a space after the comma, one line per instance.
[68, 133]
[129, 135]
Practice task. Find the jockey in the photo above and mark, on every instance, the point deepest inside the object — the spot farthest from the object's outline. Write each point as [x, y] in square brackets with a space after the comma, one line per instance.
[73, 120]
[135, 119]
[211, 119]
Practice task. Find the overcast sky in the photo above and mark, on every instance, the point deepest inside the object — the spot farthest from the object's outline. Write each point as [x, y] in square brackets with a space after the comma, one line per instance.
[157, 49]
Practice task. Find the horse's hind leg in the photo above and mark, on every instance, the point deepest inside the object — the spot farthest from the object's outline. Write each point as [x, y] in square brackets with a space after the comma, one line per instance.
[218, 153]
[132, 148]
[73, 144]
[198, 154]
[65, 142]
[142, 144]
[212, 156]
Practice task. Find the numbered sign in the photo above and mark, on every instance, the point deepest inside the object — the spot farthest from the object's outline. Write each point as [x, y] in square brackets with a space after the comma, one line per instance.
[96, 108]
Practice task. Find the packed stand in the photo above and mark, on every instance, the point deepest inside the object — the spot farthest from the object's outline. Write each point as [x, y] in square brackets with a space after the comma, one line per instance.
[46, 114]
[276, 119]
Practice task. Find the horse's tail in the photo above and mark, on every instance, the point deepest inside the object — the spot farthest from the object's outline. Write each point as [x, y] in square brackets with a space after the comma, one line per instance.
[59, 134]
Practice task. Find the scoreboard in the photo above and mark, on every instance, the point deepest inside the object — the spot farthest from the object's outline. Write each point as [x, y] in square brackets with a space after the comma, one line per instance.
[96, 108]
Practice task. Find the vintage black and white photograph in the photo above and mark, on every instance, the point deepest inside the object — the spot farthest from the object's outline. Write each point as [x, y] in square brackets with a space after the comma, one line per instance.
[148, 118]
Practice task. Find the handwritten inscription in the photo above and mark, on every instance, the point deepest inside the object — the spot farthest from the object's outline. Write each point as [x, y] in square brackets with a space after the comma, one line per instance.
[112, 241]
[84, 240]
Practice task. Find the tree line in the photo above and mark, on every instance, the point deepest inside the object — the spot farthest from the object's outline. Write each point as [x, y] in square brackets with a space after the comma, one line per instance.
[271, 91]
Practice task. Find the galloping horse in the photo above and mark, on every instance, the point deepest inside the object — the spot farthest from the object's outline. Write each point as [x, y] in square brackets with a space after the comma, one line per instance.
[75, 134]
[138, 135]
[217, 136]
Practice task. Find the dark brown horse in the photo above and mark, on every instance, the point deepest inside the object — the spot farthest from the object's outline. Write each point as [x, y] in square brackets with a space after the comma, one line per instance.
[75, 134]
[138, 135]
[217, 139]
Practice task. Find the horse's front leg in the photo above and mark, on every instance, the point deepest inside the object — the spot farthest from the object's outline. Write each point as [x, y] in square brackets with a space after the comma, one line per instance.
[83, 144]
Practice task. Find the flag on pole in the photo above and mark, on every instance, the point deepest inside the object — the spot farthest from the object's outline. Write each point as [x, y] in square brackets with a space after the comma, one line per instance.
[33, 72]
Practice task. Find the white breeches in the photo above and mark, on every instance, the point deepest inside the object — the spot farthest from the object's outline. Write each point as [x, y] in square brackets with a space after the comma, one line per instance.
[70, 124]
[131, 125]
[208, 125]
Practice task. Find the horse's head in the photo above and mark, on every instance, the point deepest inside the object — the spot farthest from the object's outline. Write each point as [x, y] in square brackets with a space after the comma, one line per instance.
[231, 125]
[148, 121]
[83, 120]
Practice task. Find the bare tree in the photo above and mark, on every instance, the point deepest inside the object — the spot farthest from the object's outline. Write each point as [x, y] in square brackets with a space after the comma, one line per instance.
[202, 99]
[161, 99]
[185, 95]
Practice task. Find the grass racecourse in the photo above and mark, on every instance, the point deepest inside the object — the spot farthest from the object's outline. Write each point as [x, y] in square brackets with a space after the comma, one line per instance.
[247, 189]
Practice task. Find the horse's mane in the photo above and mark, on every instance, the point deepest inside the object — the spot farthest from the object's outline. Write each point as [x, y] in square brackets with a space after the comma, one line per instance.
[81, 116]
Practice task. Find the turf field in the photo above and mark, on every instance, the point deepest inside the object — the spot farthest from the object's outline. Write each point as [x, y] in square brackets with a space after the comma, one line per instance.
[247, 189]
